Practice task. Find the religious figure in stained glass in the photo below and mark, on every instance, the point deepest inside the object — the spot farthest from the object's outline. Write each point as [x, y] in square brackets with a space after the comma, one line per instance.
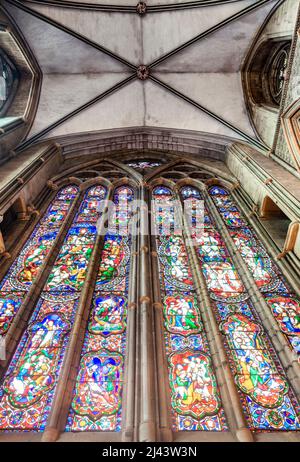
[98, 389]
[97, 398]
[109, 315]
[34, 375]
[283, 303]
[181, 315]
[268, 400]
[193, 385]
[256, 372]
[30, 381]
[195, 396]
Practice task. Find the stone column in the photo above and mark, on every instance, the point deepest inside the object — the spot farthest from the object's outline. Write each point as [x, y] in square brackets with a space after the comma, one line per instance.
[129, 387]
[228, 391]
[147, 425]
[68, 374]
[282, 348]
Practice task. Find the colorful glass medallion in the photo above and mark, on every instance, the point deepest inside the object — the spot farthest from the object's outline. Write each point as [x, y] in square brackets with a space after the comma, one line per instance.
[34, 376]
[182, 315]
[193, 385]
[98, 389]
[108, 316]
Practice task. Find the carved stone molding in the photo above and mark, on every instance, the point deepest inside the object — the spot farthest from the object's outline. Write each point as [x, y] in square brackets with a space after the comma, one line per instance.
[290, 121]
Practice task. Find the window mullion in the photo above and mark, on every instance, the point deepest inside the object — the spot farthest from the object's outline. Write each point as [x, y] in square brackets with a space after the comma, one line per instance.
[129, 395]
[147, 424]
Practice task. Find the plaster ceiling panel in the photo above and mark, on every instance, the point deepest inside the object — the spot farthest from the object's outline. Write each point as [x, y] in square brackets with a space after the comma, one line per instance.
[220, 93]
[173, 28]
[119, 33]
[56, 51]
[125, 108]
[164, 109]
[222, 51]
[62, 94]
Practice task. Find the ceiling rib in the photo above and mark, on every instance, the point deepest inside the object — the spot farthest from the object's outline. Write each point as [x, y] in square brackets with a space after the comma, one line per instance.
[130, 9]
[209, 31]
[82, 38]
[98, 98]
[220, 119]
[73, 113]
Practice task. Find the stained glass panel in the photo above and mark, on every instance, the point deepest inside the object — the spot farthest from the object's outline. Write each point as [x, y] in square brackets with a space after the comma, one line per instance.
[28, 387]
[97, 401]
[25, 269]
[283, 302]
[195, 397]
[267, 399]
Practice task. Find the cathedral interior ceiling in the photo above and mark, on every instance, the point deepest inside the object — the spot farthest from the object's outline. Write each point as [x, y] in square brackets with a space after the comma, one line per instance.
[89, 59]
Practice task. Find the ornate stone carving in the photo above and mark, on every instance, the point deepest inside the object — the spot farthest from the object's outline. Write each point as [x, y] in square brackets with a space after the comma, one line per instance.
[143, 72]
[141, 8]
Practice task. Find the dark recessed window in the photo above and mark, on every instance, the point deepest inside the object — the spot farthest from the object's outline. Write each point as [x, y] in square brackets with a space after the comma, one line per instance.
[266, 73]
[277, 72]
[8, 77]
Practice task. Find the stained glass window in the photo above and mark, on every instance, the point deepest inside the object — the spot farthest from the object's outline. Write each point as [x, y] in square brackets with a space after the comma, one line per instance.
[268, 401]
[97, 401]
[195, 397]
[28, 387]
[30, 382]
[24, 271]
[283, 302]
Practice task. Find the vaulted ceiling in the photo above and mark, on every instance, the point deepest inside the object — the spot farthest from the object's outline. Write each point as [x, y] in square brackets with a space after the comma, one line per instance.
[89, 54]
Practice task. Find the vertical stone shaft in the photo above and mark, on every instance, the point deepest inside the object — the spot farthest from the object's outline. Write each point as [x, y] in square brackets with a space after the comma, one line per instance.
[130, 364]
[147, 425]
[229, 394]
[164, 398]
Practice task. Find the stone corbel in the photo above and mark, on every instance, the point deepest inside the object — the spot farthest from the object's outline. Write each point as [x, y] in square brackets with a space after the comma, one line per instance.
[52, 185]
[31, 210]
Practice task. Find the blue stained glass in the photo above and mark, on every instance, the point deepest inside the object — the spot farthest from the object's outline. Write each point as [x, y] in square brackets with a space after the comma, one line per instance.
[28, 387]
[258, 374]
[195, 405]
[97, 397]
